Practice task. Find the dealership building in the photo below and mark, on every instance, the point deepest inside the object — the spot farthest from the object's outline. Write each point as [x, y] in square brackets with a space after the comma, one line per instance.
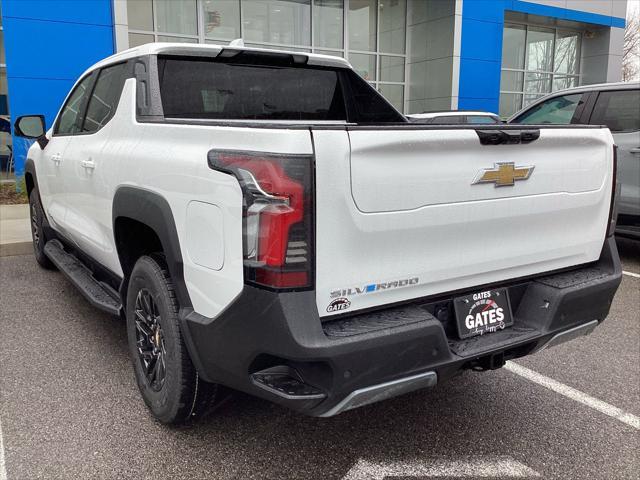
[422, 55]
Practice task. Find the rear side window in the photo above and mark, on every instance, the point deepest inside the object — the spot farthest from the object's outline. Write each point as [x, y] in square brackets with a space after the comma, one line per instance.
[557, 110]
[368, 106]
[214, 90]
[618, 110]
[105, 97]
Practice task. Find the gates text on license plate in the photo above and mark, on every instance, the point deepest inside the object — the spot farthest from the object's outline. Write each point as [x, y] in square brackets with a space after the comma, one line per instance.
[483, 312]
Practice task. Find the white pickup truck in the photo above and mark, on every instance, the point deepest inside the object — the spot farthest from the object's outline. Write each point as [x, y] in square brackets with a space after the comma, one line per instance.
[266, 221]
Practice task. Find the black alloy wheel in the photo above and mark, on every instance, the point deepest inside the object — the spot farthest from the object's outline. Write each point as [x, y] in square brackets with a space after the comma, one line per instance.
[168, 381]
[152, 351]
[38, 236]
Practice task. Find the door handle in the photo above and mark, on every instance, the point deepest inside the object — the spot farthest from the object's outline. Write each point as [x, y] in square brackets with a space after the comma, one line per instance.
[88, 164]
[635, 150]
[56, 158]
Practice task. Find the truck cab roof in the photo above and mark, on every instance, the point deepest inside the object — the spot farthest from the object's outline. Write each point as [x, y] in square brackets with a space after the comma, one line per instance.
[213, 50]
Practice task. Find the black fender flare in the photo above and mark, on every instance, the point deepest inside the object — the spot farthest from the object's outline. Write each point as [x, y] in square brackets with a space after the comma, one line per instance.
[153, 210]
[30, 168]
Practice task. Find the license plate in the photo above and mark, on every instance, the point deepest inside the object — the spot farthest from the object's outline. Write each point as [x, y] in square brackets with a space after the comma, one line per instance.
[483, 312]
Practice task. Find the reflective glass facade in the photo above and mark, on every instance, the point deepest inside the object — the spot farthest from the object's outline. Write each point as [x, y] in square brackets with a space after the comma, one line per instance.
[536, 60]
[371, 34]
[423, 55]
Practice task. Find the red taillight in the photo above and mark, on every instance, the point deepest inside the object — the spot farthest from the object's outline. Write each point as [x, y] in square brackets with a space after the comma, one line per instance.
[277, 214]
[613, 213]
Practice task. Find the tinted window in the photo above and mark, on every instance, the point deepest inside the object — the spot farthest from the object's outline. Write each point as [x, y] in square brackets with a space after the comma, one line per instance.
[70, 118]
[620, 111]
[250, 87]
[557, 110]
[104, 98]
[477, 119]
[215, 90]
[368, 105]
[448, 120]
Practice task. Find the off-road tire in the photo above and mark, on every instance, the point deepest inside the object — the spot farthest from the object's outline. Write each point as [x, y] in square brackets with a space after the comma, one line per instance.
[38, 221]
[183, 395]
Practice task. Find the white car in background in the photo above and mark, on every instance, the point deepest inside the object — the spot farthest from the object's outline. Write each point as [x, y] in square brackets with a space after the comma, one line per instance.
[454, 117]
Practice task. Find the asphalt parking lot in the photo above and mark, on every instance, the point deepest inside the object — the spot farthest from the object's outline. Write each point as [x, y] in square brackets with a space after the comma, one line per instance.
[69, 408]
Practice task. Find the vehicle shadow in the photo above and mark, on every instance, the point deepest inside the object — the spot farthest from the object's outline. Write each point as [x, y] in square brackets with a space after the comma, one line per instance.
[628, 248]
[486, 415]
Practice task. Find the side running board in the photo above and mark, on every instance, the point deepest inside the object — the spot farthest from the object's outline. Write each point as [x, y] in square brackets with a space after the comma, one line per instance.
[99, 294]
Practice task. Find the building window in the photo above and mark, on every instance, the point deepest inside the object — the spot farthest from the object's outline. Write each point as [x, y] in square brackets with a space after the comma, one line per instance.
[371, 34]
[281, 22]
[162, 21]
[536, 61]
[393, 24]
[377, 45]
[177, 16]
[328, 19]
[222, 19]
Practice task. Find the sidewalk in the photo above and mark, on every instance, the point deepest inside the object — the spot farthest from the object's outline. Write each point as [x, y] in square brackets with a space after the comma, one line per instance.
[15, 231]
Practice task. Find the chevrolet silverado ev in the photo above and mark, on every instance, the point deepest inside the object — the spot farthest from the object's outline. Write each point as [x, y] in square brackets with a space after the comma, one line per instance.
[267, 221]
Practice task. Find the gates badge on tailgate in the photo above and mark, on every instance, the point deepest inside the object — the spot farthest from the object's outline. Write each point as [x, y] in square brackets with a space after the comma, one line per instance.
[483, 312]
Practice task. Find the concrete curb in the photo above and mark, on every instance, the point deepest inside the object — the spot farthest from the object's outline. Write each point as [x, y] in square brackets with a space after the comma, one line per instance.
[15, 230]
[14, 212]
[16, 248]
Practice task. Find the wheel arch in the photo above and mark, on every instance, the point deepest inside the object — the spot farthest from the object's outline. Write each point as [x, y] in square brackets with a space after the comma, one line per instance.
[142, 222]
[30, 178]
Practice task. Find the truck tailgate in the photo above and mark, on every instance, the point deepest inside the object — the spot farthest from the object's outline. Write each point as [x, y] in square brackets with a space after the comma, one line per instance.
[403, 213]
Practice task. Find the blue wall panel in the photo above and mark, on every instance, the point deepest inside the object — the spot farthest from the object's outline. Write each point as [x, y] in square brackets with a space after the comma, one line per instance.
[64, 51]
[481, 45]
[48, 45]
[92, 12]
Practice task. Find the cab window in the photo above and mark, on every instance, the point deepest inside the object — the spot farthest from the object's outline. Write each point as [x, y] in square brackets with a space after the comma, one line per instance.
[556, 110]
[618, 110]
[70, 119]
[105, 97]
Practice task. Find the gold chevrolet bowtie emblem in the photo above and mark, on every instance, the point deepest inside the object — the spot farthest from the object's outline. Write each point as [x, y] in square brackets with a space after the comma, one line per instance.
[503, 174]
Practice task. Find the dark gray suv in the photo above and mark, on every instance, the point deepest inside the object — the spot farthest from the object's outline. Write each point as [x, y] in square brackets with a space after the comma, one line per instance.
[616, 105]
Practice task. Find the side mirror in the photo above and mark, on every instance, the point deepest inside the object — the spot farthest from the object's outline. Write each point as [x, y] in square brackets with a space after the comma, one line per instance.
[31, 126]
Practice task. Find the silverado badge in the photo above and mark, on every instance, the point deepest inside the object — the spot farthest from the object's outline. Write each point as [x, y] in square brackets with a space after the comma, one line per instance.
[503, 174]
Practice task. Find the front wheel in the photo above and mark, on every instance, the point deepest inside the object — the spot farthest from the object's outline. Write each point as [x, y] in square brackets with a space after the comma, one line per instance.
[38, 221]
[167, 379]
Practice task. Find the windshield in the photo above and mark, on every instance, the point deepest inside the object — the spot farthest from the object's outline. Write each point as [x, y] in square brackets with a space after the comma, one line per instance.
[557, 110]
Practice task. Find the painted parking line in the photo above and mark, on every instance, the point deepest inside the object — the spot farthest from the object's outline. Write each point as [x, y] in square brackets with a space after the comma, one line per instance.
[631, 274]
[472, 467]
[3, 468]
[576, 395]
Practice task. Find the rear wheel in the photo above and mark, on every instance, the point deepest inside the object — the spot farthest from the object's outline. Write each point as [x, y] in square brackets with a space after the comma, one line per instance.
[168, 381]
[38, 221]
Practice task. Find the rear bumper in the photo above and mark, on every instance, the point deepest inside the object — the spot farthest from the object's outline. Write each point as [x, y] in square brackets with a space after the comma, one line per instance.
[364, 358]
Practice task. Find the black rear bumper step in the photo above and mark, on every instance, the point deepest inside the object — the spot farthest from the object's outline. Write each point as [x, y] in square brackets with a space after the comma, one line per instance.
[287, 383]
[96, 292]
[376, 320]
